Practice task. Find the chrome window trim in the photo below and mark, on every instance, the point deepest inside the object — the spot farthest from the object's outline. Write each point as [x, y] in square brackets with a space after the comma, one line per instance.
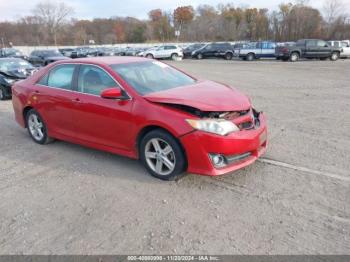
[75, 91]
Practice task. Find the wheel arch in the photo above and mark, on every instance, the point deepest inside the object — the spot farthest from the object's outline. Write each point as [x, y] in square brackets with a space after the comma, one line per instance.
[146, 129]
[24, 114]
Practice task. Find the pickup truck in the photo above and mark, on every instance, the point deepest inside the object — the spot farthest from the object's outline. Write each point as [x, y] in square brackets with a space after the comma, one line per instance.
[257, 50]
[308, 48]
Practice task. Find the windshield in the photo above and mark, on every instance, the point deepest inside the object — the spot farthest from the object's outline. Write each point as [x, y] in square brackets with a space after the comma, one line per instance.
[152, 76]
[10, 65]
[12, 51]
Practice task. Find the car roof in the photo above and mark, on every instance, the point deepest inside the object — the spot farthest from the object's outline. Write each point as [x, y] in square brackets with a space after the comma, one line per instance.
[110, 60]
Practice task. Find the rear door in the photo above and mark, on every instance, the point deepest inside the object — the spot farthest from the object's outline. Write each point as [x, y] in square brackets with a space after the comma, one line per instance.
[311, 49]
[98, 120]
[324, 49]
[55, 97]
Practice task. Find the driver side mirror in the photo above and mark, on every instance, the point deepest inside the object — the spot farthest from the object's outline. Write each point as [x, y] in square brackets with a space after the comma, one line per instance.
[112, 93]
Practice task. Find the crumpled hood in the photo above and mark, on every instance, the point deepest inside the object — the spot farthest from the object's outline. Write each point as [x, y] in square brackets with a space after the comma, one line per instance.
[20, 73]
[203, 95]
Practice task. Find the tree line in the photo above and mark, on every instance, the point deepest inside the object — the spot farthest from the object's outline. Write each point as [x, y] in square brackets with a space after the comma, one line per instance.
[51, 23]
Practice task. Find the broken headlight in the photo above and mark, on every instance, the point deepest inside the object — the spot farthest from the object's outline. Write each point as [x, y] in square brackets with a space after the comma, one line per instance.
[216, 126]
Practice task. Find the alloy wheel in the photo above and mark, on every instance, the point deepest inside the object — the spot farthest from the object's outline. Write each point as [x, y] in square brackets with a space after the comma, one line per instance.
[36, 127]
[160, 156]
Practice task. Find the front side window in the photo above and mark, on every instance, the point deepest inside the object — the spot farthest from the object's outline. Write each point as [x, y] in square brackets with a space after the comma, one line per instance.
[321, 44]
[152, 76]
[60, 77]
[93, 80]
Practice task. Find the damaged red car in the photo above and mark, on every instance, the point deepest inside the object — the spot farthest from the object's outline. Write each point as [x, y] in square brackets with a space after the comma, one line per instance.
[143, 109]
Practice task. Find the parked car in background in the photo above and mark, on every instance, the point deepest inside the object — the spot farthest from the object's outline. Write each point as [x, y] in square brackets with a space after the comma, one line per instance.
[308, 48]
[12, 70]
[67, 51]
[164, 52]
[143, 109]
[220, 50]
[45, 57]
[12, 52]
[345, 48]
[257, 50]
[105, 51]
[189, 49]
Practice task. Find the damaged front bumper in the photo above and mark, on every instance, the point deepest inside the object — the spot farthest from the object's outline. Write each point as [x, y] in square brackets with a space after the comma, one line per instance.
[213, 155]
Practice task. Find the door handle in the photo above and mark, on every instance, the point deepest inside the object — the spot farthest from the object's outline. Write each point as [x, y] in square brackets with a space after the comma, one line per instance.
[77, 100]
[37, 92]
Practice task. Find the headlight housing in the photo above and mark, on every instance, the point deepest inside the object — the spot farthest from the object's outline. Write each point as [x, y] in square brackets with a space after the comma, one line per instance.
[216, 126]
[9, 81]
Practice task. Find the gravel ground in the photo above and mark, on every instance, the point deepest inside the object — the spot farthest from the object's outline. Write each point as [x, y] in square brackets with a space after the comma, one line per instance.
[67, 199]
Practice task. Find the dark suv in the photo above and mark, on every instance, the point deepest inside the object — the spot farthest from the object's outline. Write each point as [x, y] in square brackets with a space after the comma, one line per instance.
[222, 50]
[45, 57]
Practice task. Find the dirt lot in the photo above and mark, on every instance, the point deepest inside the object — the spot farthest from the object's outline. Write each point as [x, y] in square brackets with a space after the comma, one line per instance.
[67, 199]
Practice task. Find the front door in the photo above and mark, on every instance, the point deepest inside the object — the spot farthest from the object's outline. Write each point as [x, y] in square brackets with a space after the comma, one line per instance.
[98, 120]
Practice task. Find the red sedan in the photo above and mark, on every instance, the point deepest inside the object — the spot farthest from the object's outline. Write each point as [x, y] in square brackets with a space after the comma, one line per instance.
[143, 109]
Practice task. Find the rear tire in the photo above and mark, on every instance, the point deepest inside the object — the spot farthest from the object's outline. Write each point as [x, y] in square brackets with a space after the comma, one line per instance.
[37, 128]
[162, 155]
[334, 56]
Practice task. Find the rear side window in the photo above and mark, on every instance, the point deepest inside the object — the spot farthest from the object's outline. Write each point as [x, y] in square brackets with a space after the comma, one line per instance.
[93, 80]
[170, 47]
[311, 43]
[61, 77]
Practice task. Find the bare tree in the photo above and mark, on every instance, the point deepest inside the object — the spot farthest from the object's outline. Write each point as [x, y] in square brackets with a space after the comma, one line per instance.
[53, 16]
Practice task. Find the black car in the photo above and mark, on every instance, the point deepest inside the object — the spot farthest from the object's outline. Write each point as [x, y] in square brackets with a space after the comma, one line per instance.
[12, 52]
[45, 57]
[12, 70]
[222, 50]
[308, 48]
[191, 48]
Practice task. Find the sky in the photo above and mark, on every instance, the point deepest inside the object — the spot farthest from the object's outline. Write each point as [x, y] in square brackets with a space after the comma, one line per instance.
[89, 9]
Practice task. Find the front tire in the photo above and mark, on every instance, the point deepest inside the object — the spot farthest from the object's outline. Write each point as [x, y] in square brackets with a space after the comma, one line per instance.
[228, 56]
[37, 128]
[294, 57]
[199, 56]
[250, 57]
[162, 155]
[174, 56]
[2, 93]
[150, 56]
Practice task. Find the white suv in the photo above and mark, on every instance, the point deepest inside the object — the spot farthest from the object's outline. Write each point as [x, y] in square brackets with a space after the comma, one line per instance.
[165, 51]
